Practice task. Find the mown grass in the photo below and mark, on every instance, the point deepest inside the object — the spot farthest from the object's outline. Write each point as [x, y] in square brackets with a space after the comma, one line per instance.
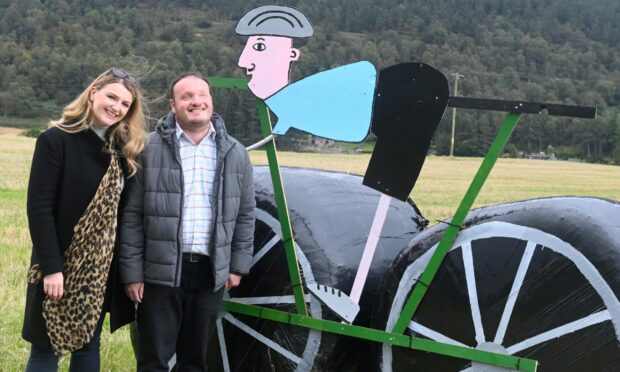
[438, 192]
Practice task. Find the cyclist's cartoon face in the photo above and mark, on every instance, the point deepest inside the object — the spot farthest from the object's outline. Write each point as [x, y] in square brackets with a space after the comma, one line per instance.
[267, 59]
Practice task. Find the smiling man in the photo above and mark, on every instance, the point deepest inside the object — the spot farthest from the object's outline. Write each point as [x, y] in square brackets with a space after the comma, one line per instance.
[187, 230]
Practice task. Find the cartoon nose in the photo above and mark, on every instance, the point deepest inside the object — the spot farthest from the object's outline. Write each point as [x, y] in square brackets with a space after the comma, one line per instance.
[244, 61]
[247, 66]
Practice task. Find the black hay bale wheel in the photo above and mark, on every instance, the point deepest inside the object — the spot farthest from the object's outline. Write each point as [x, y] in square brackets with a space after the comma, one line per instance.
[538, 279]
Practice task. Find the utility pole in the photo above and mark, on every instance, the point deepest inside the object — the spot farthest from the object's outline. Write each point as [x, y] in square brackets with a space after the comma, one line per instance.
[456, 89]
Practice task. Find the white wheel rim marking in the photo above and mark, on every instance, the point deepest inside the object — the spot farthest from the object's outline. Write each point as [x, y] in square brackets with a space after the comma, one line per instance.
[306, 361]
[508, 230]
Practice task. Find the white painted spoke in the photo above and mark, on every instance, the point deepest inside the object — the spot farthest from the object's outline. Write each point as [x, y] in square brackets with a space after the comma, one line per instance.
[265, 248]
[433, 335]
[470, 277]
[222, 340]
[172, 362]
[268, 300]
[561, 331]
[486, 368]
[262, 339]
[514, 292]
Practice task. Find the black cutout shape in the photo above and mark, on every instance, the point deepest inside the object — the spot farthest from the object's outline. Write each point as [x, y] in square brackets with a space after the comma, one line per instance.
[410, 100]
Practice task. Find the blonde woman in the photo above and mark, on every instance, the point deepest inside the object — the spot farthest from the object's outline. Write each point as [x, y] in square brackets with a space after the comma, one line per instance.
[79, 169]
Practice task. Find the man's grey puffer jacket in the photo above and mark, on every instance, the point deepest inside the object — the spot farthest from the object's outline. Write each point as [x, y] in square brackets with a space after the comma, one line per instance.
[150, 249]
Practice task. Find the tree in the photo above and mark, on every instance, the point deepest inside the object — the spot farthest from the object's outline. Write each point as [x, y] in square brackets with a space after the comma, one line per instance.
[18, 100]
[549, 151]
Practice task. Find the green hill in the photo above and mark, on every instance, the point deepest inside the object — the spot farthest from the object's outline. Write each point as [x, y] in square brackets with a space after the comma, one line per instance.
[562, 51]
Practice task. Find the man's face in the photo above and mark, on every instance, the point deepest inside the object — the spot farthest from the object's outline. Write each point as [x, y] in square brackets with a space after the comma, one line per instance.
[191, 102]
[267, 59]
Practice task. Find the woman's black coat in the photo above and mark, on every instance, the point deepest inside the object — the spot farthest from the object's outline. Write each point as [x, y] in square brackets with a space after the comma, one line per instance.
[66, 171]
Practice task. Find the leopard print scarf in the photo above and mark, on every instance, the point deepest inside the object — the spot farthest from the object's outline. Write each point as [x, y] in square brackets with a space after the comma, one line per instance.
[71, 321]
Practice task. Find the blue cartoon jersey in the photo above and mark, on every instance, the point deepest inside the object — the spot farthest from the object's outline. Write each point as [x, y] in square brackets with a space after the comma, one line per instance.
[334, 104]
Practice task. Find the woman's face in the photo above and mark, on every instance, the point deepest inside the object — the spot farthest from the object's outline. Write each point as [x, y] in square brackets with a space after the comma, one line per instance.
[110, 103]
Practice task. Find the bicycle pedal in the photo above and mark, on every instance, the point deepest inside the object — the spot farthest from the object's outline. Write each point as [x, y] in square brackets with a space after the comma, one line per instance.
[336, 300]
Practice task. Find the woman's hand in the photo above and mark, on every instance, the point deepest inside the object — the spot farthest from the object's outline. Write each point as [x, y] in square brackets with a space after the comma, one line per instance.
[53, 286]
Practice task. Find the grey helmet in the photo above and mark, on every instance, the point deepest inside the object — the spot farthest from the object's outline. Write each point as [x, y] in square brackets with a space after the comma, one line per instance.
[274, 20]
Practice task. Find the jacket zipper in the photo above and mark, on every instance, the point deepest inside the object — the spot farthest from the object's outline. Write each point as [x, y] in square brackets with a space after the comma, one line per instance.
[214, 209]
[177, 157]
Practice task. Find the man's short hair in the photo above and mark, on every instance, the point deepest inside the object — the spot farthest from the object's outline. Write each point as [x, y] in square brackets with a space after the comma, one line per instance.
[182, 76]
[274, 20]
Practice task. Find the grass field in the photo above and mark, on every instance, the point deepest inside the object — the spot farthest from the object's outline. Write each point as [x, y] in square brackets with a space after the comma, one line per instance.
[441, 185]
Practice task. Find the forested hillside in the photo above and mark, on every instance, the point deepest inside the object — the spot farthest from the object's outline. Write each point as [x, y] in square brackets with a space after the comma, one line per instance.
[561, 51]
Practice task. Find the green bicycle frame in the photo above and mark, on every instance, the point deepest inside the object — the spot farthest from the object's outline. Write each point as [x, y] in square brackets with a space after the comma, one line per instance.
[396, 336]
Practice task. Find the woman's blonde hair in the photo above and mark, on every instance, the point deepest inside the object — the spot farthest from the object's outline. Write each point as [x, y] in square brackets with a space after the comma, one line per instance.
[129, 134]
